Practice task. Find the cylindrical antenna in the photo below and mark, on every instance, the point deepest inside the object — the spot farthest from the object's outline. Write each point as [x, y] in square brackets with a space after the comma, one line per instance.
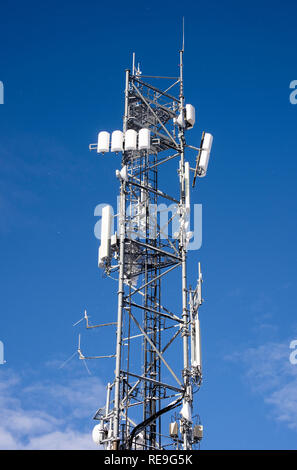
[133, 63]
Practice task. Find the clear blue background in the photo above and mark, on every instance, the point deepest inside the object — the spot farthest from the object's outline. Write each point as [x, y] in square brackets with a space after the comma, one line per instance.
[62, 65]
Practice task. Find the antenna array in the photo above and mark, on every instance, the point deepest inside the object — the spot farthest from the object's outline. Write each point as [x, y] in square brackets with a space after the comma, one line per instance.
[147, 386]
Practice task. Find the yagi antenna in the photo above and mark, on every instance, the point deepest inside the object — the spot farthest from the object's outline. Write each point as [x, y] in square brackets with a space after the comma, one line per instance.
[86, 317]
[82, 357]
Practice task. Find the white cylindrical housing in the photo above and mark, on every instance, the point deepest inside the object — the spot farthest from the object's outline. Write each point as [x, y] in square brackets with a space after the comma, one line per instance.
[103, 142]
[130, 139]
[113, 240]
[207, 142]
[98, 433]
[186, 411]
[187, 186]
[180, 120]
[190, 114]
[104, 251]
[144, 139]
[100, 259]
[140, 441]
[117, 141]
[203, 163]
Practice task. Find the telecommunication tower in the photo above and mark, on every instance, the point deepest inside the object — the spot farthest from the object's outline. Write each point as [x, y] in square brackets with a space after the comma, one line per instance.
[150, 399]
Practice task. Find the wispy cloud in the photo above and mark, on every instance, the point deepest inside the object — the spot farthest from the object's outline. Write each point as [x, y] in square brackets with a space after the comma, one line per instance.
[47, 414]
[268, 372]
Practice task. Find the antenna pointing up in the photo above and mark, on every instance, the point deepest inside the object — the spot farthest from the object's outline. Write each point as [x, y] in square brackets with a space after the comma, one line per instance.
[181, 68]
[183, 46]
[133, 63]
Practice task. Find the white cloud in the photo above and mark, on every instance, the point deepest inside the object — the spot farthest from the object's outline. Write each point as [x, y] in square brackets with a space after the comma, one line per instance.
[57, 440]
[48, 414]
[82, 395]
[284, 401]
[269, 372]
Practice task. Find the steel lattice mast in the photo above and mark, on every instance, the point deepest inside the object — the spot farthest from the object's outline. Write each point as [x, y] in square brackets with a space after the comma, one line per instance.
[147, 386]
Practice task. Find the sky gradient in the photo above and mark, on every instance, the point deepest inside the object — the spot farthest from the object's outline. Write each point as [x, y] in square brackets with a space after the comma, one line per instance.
[62, 66]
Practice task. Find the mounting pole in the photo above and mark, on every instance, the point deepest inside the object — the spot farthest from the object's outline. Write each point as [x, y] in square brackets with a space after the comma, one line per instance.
[122, 228]
[183, 244]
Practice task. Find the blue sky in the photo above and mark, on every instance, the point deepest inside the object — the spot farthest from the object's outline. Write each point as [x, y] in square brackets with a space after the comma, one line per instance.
[62, 66]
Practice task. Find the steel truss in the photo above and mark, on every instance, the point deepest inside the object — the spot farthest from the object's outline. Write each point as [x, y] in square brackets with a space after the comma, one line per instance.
[147, 386]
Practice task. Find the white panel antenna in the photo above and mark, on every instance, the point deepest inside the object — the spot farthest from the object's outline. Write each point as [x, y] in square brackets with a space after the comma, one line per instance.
[106, 221]
[117, 139]
[144, 137]
[190, 115]
[130, 139]
[187, 187]
[103, 142]
[204, 155]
